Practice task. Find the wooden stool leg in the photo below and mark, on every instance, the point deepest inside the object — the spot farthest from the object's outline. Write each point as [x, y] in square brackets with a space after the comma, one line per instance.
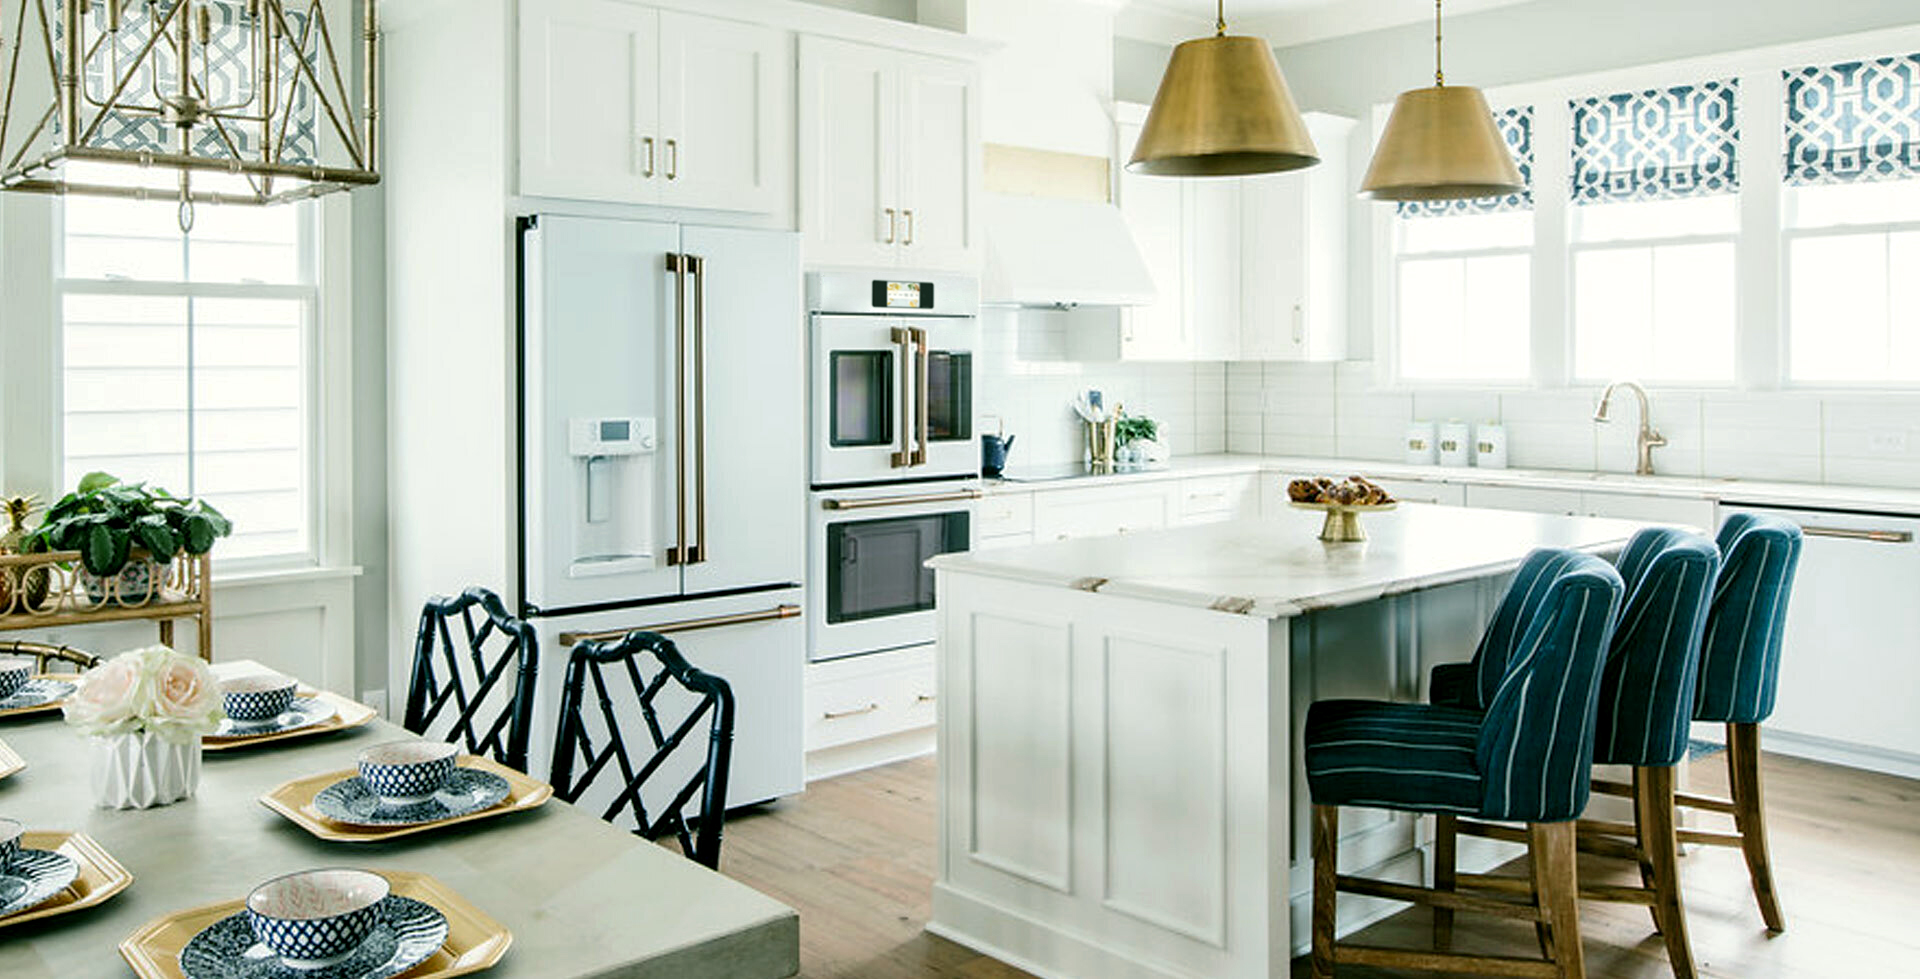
[1654, 809]
[1743, 763]
[1446, 839]
[1643, 851]
[1556, 881]
[1326, 872]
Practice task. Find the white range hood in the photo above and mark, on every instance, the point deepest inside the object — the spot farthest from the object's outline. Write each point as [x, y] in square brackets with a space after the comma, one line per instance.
[1054, 252]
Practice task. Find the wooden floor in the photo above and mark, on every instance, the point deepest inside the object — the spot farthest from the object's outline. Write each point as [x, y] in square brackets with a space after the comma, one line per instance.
[855, 855]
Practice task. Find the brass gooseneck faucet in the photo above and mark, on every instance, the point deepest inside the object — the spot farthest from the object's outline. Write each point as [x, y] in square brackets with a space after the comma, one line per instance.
[1648, 439]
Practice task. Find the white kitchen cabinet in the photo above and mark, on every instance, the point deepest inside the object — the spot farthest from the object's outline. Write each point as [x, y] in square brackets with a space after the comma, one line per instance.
[866, 697]
[1293, 250]
[1525, 498]
[629, 104]
[1421, 491]
[1102, 511]
[1211, 499]
[889, 157]
[1691, 513]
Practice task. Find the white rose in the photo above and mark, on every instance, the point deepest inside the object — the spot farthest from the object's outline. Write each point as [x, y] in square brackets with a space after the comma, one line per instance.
[185, 697]
[110, 698]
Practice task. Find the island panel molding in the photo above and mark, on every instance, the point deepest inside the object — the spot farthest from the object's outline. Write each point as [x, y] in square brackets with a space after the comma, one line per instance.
[1022, 815]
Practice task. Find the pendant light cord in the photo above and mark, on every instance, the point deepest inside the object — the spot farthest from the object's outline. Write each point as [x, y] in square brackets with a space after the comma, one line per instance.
[1439, 76]
[1220, 18]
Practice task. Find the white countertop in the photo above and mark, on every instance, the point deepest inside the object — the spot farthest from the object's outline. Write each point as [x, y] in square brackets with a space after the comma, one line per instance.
[1873, 499]
[1277, 566]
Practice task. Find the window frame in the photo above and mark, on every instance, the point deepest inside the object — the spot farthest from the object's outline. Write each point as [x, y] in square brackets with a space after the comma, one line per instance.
[1761, 300]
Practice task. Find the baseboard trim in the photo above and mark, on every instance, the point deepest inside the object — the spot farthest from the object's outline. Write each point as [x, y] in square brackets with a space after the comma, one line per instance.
[1867, 758]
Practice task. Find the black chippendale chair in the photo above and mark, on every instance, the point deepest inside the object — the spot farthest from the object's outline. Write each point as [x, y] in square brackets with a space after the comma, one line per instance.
[466, 692]
[655, 776]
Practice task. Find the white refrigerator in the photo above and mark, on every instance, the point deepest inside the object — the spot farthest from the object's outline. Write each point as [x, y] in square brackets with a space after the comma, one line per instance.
[663, 466]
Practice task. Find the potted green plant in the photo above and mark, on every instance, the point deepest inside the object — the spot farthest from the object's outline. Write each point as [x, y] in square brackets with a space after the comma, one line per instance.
[1135, 433]
[125, 532]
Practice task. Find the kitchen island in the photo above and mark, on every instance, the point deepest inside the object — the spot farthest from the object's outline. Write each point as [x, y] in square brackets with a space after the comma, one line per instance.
[1121, 793]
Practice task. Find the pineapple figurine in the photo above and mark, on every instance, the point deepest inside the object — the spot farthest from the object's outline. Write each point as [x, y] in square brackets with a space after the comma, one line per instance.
[32, 590]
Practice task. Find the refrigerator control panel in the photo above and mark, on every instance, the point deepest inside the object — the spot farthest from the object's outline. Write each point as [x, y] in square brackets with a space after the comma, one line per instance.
[610, 436]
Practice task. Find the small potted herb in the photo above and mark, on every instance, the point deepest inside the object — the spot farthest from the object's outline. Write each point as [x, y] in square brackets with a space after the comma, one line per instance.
[125, 532]
[1138, 438]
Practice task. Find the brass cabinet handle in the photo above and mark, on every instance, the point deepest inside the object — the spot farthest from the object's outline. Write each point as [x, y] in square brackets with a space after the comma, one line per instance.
[673, 158]
[646, 146]
[909, 216]
[834, 715]
[903, 338]
[699, 553]
[686, 625]
[1299, 324]
[893, 224]
[891, 501]
[926, 698]
[1848, 533]
[677, 264]
[920, 409]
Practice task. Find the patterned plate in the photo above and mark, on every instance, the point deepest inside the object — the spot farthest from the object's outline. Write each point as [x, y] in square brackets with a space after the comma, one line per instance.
[38, 692]
[412, 932]
[467, 791]
[303, 712]
[37, 876]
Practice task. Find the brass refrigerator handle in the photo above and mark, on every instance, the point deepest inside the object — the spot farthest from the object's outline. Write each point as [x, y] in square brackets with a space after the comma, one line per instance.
[920, 412]
[1848, 533]
[673, 159]
[685, 625]
[903, 338]
[893, 225]
[646, 143]
[676, 555]
[699, 552]
[892, 501]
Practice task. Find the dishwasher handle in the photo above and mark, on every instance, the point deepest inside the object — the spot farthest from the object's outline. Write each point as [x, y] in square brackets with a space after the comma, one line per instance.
[1850, 533]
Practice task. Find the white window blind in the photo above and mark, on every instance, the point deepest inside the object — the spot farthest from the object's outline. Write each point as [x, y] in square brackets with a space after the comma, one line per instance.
[187, 361]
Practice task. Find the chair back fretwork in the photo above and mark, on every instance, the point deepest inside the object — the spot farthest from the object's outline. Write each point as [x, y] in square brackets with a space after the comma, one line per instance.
[474, 686]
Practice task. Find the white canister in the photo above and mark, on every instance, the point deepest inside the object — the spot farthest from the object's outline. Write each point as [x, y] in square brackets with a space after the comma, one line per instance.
[1420, 448]
[1453, 444]
[1490, 445]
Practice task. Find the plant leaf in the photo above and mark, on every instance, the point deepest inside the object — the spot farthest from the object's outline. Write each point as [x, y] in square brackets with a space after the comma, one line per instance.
[106, 550]
[96, 481]
[200, 534]
[153, 534]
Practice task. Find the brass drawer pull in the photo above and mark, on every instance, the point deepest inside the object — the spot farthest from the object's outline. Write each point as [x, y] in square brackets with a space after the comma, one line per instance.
[892, 501]
[834, 715]
[925, 698]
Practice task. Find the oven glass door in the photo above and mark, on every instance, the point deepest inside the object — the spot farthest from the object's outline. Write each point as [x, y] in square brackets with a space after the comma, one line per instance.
[952, 445]
[870, 589]
[862, 411]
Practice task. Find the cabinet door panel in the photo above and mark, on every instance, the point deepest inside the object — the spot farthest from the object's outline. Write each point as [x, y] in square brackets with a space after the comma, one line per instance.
[1073, 514]
[1154, 209]
[1273, 325]
[720, 113]
[849, 164]
[1213, 269]
[588, 99]
[1525, 499]
[939, 163]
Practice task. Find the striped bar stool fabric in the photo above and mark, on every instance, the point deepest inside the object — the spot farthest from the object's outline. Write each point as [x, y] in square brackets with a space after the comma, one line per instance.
[1526, 758]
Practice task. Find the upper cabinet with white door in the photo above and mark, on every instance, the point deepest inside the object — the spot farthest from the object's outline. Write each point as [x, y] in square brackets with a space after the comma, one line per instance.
[889, 157]
[630, 104]
[1293, 247]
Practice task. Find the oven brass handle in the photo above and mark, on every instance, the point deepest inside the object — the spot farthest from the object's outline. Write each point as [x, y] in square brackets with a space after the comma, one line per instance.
[893, 225]
[646, 146]
[834, 715]
[920, 410]
[891, 501]
[686, 625]
[699, 553]
[903, 338]
[1848, 533]
[673, 159]
[677, 264]
[908, 214]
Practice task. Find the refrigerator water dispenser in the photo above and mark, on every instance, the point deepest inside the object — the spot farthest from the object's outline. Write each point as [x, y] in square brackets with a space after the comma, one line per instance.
[613, 506]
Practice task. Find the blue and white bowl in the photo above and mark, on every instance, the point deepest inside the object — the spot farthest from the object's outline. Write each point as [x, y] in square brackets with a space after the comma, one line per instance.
[10, 833]
[261, 697]
[407, 772]
[15, 671]
[315, 918]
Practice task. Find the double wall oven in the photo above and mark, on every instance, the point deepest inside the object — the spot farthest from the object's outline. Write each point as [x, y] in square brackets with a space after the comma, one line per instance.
[894, 454]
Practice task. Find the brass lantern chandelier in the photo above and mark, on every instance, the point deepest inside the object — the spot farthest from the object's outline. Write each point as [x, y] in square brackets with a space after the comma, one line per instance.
[1441, 143]
[1223, 110]
[200, 101]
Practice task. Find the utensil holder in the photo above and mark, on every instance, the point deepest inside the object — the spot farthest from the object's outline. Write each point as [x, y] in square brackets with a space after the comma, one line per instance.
[1100, 443]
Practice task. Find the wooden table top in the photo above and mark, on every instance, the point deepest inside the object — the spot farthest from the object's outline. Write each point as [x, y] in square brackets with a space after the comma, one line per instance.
[582, 898]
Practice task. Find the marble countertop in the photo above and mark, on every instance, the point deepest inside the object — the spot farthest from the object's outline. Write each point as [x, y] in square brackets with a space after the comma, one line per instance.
[1875, 499]
[1277, 567]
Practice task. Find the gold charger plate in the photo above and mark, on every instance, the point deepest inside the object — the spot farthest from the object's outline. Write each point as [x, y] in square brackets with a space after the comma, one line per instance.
[10, 761]
[474, 940]
[347, 714]
[101, 876]
[294, 800]
[50, 705]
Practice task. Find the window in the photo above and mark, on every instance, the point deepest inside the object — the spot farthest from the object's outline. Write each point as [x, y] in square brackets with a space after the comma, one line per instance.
[1462, 281]
[187, 359]
[1653, 229]
[1852, 216]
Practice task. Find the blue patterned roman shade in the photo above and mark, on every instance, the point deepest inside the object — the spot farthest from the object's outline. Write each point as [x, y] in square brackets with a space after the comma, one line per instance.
[229, 78]
[1658, 144]
[1854, 121]
[1516, 127]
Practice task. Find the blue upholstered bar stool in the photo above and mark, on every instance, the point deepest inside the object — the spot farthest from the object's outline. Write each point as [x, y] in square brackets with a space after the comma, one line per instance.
[1527, 758]
[1646, 708]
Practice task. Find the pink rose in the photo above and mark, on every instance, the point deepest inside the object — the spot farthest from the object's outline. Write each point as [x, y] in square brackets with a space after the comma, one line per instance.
[110, 698]
[185, 697]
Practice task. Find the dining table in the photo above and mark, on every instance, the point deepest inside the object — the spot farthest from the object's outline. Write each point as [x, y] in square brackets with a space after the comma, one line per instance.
[581, 897]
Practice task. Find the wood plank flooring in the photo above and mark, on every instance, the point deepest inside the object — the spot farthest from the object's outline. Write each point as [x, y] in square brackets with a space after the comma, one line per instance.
[855, 855]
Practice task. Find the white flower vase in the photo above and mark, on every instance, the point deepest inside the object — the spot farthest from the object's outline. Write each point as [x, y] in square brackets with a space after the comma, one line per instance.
[144, 770]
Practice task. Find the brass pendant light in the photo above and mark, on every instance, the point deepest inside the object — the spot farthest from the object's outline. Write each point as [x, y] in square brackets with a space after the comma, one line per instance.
[1441, 143]
[1222, 111]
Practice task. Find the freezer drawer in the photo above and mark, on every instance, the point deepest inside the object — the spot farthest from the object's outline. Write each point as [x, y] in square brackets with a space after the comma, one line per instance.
[760, 649]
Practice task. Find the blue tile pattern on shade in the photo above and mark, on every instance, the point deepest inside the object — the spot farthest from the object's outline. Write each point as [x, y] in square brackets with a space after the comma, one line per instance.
[1855, 121]
[229, 80]
[1516, 127]
[1657, 144]
[467, 791]
[33, 878]
[409, 933]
